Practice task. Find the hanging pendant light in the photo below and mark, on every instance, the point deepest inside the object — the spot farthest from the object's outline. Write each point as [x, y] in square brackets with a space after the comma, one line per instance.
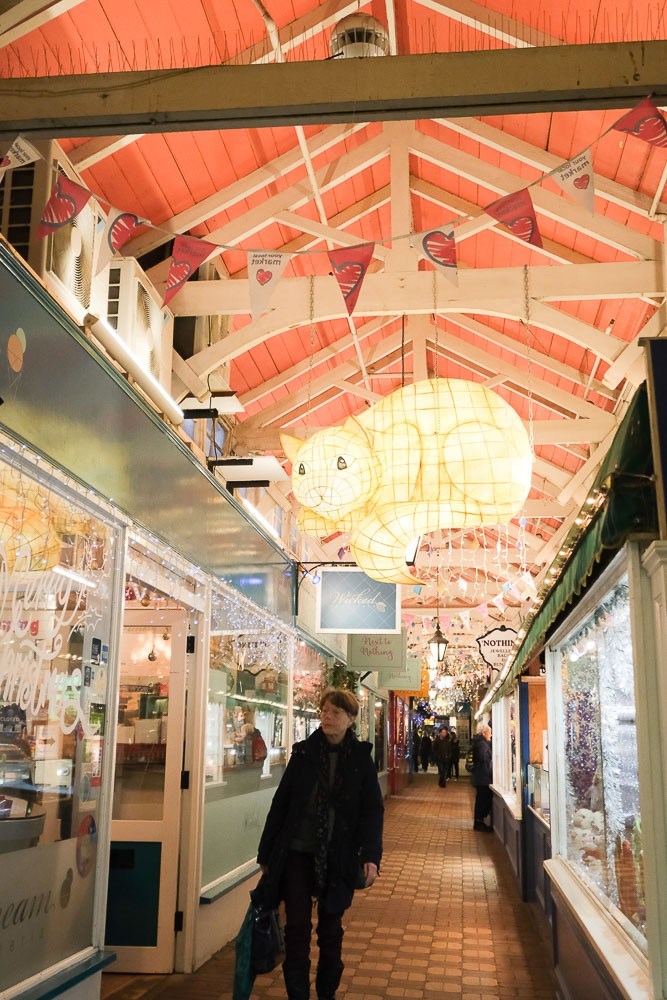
[438, 643]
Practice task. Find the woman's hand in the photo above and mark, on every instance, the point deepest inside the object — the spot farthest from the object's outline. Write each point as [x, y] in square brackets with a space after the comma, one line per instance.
[371, 873]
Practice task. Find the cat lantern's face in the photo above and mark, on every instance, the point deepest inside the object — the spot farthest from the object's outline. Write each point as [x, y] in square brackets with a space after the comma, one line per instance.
[333, 473]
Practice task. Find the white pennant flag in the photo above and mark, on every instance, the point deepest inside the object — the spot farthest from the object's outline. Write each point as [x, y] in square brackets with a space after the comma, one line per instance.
[20, 153]
[577, 180]
[465, 618]
[265, 269]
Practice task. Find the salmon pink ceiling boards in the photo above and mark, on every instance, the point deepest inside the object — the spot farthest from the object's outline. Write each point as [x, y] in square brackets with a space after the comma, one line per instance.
[545, 311]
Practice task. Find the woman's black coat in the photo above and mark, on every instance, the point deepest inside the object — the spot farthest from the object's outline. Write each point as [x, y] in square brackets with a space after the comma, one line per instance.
[483, 761]
[357, 831]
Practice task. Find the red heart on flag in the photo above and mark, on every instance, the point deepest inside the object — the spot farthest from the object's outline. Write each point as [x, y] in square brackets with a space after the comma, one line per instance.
[440, 248]
[349, 275]
[263, 277]
[523, 227]
[179, 274]
[582, 181]
[122, 229]
[4, 162]
[60, 209]
[652, 130]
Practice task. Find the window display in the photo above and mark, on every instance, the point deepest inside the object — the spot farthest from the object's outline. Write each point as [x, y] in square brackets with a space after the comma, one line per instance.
[310, 673]
[56, 571]
[378, 736]
[602, 815]
[246, 730]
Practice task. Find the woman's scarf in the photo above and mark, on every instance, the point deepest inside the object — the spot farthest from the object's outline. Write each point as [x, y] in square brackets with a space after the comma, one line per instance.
[328, 796]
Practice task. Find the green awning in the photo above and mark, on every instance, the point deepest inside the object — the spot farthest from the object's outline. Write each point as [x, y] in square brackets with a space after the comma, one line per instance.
[625, 478]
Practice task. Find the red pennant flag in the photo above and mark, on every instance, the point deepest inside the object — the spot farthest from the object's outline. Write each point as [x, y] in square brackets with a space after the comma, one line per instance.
[439, 246]
[645, 121]
[517, 213]
[187, 255]
[350, 265]
[66, 201]
[121, 227]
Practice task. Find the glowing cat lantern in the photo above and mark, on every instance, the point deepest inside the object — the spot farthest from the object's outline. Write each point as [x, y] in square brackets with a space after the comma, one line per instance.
[442, 453]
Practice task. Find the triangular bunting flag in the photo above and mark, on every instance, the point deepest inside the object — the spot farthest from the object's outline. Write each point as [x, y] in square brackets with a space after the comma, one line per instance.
[265, 270]
[350, 265]
[121, 227]
[187, 255]
[20, 153]
[484, 611]
[499, 602]
[517, 213]
[66, 201]
[645, 121]
[439, 246]
[577, 180]
[465, 618]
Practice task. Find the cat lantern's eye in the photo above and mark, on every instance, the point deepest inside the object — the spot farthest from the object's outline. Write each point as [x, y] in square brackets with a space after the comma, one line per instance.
[302, 469]
[341, 463]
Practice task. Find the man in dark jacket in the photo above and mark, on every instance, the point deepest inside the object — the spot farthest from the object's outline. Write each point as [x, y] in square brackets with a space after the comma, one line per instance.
[482, 776]
[322, 837]
[442, 755]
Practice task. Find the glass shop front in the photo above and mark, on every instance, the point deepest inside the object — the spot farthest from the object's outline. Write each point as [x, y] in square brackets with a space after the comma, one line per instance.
[57, 610]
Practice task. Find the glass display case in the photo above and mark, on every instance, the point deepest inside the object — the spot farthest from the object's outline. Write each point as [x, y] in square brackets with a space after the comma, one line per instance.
[599, 812]
[538, 790]
[310, 670]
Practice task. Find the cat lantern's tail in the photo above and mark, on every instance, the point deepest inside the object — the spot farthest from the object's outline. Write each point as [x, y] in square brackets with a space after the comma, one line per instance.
[378, 545]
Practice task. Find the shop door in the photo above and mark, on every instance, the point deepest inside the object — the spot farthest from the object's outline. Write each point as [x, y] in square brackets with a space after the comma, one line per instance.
[145, 828]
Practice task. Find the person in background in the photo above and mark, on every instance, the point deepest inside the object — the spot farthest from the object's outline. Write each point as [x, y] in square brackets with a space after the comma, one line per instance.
[416, 741]
[456, 753]
[482, 776]
[442, 755]
[322, 837]
[425, 751]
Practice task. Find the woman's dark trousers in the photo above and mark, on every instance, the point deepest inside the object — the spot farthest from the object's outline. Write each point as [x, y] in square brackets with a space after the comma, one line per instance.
[483, 803]
[298, 887]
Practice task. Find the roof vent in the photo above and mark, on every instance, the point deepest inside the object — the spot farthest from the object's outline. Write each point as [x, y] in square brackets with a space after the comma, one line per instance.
[359, 35]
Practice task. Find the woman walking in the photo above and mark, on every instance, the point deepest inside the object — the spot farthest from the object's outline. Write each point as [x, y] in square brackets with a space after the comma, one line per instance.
[322, 838]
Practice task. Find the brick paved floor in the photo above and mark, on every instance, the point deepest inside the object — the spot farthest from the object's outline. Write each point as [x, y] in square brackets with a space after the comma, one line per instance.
[444, 920]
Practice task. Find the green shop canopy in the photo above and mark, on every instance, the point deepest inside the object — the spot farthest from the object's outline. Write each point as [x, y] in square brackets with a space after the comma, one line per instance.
[629, 509]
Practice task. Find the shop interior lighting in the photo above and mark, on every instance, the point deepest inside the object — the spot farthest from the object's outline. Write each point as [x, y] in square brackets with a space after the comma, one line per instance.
[71, 575]
[121, 353]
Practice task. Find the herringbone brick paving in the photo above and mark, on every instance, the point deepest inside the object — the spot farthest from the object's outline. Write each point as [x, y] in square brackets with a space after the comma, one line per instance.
[444, 920]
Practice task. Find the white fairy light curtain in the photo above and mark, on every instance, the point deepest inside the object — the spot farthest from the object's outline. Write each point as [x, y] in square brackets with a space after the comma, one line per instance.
[433, 454]
[350, 264]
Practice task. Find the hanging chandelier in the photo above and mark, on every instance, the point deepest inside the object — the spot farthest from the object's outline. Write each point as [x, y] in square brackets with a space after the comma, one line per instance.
[440, 453]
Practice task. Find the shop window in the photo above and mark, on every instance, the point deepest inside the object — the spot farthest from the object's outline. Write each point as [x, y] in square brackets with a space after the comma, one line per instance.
[246, 732]
[378, 736]
[56, 566]
[310, 668]
[600, 813]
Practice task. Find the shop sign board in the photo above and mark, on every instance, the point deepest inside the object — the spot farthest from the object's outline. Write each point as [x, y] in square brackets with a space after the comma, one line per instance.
[349, 601]
[378, 651]
[495, 646]
[406, 680]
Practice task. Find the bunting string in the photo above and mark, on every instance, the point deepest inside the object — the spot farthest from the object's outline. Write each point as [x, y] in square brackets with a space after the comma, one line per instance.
[350, 264]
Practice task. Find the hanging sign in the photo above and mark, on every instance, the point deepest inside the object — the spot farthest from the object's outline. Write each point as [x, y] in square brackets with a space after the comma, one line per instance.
[350, 265]
[265, 270]
[20, 153]
[495, 646]
[120, 227]
[187, 255]
[379, 651]
[405, 682]
[646, 121]
[517, 213]
[349, 601]
[577, 180]
[65, 203]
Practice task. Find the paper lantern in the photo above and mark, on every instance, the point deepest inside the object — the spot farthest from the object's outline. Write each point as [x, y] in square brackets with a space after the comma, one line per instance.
[440, 453]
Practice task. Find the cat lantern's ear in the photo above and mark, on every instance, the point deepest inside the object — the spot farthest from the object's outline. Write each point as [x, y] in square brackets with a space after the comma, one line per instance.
[291, 446]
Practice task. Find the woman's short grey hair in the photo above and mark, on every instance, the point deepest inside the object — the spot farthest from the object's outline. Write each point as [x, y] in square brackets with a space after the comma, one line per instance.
[483, 729]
